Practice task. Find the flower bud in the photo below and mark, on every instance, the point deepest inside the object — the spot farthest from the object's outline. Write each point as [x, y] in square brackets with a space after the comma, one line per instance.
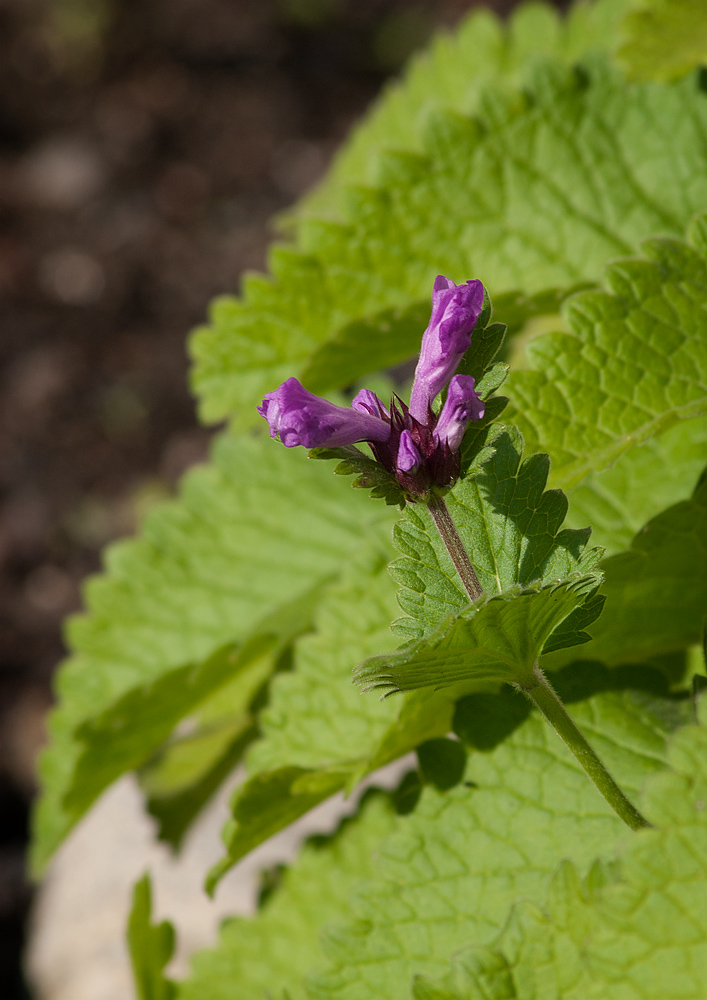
[455, 312]
[409, 459]
[460, 407]
[298, 417]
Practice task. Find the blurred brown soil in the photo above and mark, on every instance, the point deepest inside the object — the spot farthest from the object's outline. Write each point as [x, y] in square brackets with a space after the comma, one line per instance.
[144, 147]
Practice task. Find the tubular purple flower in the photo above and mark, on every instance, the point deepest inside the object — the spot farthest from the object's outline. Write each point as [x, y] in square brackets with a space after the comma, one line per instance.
[299, 417]
[409, 458]
[455, 311]
[366, 401]
[461, 406]
[418, 447]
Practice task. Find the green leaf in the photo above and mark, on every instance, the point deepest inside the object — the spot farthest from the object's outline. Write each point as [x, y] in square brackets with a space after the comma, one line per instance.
[451, 75]
[316, 717]
[633, 365]
[663, 39]
[634, 930]
[237, 559]
[656, 592]
[266, 804]
[512, 529]
[497, 641]
[369, 474]
[151, 946]
[183, 775]
[319, 734]
[269, 954]
[618, 501]
[448, 878]
[538, 192]
[122, 737]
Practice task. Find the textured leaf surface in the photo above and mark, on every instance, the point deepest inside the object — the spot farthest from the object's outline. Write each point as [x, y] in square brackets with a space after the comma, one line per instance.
[452, 75]
[512, 528]
[497, 641]
[633, 365]
[540, 193]
[151, 946]
[656, 592]
[633, 931]
[663, 39]
[251, 534]
[269, 954]
[451, 873]
[316, 717]
[319, 733]
[618, 501]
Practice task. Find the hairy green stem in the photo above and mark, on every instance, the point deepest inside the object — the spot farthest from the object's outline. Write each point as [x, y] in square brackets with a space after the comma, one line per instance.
[455, 546]
[539, 690]
[542, 694]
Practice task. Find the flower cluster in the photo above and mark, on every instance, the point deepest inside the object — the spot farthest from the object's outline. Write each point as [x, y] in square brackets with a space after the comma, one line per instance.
[415, 444]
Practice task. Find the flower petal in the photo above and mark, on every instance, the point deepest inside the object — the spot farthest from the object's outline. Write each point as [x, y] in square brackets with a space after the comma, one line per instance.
[461, 406]
[366, 401]
[409, 458]
[455, 312]
[299, 417]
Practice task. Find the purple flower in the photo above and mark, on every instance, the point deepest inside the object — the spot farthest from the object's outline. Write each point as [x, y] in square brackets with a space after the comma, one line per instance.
[414, 444]
[297, 416]
[366, 401]
[409, 458]
[455, 311]
[461, 406]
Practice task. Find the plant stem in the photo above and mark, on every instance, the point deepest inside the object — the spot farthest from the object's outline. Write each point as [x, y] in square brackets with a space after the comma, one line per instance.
[539, 691]
[455, 546]
[542, 694]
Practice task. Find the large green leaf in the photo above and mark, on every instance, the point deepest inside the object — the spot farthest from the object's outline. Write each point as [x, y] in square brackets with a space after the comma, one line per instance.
[656, 592]
[316, 717]
[632, 931]
[449, 877]
[663, 39]
[318, 734]
[269, 954]
[633, 364]
[235, 560]
[451, 75]
[539, 192]
[619, 500]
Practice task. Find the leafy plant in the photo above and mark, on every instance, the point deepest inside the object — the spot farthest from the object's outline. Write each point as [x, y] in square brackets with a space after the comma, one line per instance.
[652, 896]
[547, 547]
[663, 39]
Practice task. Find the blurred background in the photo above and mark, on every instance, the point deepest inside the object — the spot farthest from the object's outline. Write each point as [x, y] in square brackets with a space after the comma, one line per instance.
[145, 145]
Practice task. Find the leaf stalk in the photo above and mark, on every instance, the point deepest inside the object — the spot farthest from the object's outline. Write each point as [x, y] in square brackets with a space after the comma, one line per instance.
[454, 545]
[544, 697]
